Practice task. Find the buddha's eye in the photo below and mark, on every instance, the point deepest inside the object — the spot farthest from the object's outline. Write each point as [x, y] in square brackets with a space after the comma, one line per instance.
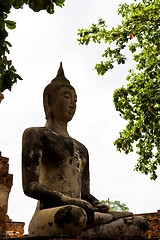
[67, 96]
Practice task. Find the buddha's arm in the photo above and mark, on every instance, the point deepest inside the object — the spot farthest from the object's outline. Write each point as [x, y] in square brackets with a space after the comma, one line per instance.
[31, 157]
[98, 206]
[86, 181]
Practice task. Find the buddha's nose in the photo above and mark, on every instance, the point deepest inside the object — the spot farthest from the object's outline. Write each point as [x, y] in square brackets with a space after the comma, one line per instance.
[72, 104]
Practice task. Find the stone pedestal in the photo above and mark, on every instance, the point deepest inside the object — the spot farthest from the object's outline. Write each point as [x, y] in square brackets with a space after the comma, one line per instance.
[80, 238]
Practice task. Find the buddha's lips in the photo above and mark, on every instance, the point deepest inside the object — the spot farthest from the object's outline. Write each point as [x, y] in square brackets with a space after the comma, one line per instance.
[71, 112]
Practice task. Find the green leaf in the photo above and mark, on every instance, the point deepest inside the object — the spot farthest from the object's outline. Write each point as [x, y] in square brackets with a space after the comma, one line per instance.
[50, 8]
[17, 3]
[59, 2]
[10, 24]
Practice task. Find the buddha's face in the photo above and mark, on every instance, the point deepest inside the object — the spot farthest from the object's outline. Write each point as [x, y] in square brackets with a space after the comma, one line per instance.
[64, 105]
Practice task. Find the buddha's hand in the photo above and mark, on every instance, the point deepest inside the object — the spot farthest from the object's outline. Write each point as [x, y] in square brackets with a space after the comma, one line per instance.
[100, 207]
[88, 208]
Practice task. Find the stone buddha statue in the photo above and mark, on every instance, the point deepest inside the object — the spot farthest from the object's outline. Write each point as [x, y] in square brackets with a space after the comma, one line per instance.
[55, 170]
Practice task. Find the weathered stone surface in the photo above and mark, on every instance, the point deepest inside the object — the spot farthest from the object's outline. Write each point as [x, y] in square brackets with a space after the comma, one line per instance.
[127, 227]
[56, 173]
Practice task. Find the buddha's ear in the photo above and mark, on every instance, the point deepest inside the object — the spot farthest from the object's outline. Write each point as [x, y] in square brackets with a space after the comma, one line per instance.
[46, 106]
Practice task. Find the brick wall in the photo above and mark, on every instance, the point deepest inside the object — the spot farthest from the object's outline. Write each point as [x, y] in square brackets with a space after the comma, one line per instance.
[7, 227]
[1, 97]
[5, 187]
[14, 229]
[154, 224]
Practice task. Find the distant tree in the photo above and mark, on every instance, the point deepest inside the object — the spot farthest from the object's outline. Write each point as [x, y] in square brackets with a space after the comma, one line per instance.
[8, 75]
[117, 206]
[139, 101]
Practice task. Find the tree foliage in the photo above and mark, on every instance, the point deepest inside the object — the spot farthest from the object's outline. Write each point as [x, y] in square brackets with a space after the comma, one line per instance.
[117, 206]
[8, 75]
[139, 101]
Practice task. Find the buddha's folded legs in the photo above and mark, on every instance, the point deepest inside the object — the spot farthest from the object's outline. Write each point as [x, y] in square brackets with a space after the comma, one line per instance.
[65, 220]
[71, 220]
[127, 226]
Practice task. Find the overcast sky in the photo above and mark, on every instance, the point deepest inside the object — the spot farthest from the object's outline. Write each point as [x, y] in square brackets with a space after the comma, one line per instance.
[40, 41]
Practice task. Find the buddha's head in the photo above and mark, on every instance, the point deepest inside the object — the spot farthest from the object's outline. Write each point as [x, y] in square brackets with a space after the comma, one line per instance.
[59, 98]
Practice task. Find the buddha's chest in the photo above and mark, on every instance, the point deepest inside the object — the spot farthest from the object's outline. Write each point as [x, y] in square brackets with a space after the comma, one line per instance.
[62, 165]
[61, 153]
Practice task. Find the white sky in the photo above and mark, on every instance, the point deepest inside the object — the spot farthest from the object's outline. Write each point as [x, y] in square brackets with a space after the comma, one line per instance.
[40, 42]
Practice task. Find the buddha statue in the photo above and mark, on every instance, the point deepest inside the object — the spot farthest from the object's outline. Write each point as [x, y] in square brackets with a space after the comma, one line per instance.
[55, 171]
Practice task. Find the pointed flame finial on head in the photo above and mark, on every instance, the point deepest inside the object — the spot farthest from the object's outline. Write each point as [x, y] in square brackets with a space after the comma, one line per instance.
[60, 74]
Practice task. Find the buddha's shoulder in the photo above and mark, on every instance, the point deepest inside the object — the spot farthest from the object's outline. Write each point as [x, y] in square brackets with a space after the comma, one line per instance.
[82, 148]
[34, 131]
